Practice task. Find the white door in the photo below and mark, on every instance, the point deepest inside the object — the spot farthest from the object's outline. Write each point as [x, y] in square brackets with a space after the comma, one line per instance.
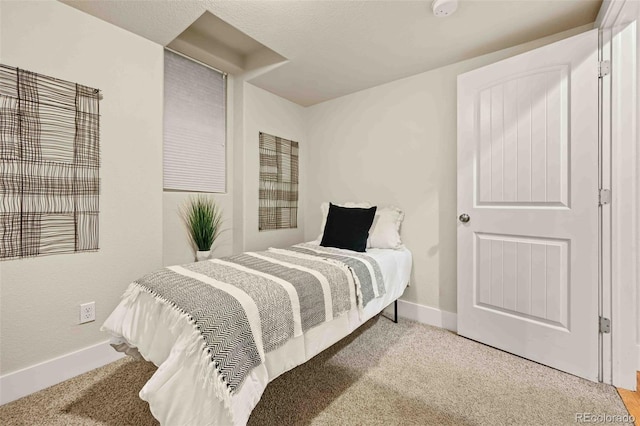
[528, 181]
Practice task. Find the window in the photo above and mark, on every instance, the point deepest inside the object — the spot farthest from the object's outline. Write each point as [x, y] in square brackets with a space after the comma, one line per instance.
[278, 198]
[194, 126]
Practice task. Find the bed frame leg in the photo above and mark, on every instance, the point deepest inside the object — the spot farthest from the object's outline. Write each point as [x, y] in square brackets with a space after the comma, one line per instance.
[395, 308]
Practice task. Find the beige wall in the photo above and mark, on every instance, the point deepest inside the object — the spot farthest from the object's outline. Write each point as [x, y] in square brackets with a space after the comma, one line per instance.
[638, 176]
[396, 144]
[40, 297]
[392, 144]
[250, 110]
[176, 245]
[268, 113]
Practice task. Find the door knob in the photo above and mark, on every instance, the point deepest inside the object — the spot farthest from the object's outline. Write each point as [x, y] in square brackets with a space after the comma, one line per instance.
[464, 218]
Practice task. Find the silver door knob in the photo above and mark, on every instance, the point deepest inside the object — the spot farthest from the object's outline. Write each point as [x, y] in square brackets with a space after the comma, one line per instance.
[464, 218]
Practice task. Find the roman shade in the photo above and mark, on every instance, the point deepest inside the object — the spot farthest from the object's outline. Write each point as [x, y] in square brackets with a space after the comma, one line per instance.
[194, 126]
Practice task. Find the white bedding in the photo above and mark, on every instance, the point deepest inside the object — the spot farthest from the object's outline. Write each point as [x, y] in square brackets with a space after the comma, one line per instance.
[178, 394]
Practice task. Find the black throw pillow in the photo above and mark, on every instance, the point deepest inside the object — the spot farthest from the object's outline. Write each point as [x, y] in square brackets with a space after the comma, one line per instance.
[348, 227]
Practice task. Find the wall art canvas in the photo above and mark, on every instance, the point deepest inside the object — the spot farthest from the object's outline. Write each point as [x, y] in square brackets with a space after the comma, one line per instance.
[49, 165]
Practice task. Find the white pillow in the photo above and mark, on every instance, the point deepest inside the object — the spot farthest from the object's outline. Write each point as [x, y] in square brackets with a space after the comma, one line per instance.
[385, 230]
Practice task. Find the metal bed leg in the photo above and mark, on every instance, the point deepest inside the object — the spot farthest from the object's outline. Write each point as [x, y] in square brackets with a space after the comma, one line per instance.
[395, 308]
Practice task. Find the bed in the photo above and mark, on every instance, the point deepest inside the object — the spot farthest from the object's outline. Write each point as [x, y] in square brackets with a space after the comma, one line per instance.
[191, 386]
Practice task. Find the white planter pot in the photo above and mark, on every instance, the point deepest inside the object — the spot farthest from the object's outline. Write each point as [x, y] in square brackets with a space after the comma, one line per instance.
[202, 255]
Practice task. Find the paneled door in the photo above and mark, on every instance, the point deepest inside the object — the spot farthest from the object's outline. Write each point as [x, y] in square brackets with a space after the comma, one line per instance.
[528, 205]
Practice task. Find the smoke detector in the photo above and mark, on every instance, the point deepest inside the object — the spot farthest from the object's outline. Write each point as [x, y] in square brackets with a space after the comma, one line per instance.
[443, 8]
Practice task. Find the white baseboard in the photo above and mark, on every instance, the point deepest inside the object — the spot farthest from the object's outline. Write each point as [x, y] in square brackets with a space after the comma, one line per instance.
[638, 361]
[40, 376]
[428, 315]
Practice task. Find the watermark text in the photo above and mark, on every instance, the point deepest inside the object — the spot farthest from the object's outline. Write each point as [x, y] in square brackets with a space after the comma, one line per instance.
[604, 418]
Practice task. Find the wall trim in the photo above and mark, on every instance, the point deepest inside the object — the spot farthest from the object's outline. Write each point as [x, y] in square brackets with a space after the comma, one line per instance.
[614, 13]
[40, 376]
[29, 380]
[428, 315]
[620, 42]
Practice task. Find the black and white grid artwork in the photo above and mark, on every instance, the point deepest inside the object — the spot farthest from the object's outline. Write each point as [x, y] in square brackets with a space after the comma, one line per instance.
[278, 194]
[49, 165]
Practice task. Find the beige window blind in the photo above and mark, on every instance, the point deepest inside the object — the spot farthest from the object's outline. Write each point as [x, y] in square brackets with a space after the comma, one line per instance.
[278, 197]
[194, 126]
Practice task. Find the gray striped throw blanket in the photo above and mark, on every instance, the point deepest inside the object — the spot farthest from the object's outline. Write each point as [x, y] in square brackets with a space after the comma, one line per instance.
[246, 305]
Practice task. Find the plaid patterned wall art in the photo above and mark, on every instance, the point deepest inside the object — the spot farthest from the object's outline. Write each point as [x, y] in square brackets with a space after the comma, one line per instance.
[278, 197]
[49, 164]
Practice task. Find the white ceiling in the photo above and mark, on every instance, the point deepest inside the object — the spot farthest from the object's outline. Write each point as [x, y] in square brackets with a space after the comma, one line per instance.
[339, 47]
[215, 42]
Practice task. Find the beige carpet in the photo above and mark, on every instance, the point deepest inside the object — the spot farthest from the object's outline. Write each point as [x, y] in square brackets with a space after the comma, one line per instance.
[383, 374]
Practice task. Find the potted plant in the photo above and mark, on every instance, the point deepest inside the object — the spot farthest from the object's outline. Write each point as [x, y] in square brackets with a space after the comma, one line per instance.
[202, 217]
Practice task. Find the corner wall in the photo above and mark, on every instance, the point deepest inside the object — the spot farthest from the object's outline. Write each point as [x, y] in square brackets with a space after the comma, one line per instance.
[396, 144]
[176, 245]
[40, 297]
[268, 113]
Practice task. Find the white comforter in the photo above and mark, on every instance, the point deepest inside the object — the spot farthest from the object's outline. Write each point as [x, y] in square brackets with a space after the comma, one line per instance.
[178, 394]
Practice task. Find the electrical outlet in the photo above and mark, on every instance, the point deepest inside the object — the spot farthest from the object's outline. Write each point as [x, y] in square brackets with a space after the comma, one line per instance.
[87, 312]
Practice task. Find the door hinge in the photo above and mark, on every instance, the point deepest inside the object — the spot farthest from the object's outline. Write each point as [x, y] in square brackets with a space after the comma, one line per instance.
[604, 68]
[604, 196]
[605, 325]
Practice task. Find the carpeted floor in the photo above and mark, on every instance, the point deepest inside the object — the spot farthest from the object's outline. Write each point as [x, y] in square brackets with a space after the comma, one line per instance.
[383, 374]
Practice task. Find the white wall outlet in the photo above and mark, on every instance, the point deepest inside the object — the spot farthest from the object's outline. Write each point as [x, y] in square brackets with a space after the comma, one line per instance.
[87, 312]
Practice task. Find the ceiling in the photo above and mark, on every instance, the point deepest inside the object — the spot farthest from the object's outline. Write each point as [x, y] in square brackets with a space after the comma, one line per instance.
[339, 47]
[214, 42]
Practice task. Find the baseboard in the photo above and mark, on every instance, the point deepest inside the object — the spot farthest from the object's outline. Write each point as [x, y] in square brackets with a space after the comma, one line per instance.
[638, 361]
[40, 376]
[428, 315]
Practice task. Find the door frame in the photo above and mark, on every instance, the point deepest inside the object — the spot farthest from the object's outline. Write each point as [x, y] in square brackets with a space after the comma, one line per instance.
[617, 22]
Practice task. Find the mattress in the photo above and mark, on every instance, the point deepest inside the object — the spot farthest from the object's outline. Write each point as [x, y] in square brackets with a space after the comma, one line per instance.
[178, 395]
